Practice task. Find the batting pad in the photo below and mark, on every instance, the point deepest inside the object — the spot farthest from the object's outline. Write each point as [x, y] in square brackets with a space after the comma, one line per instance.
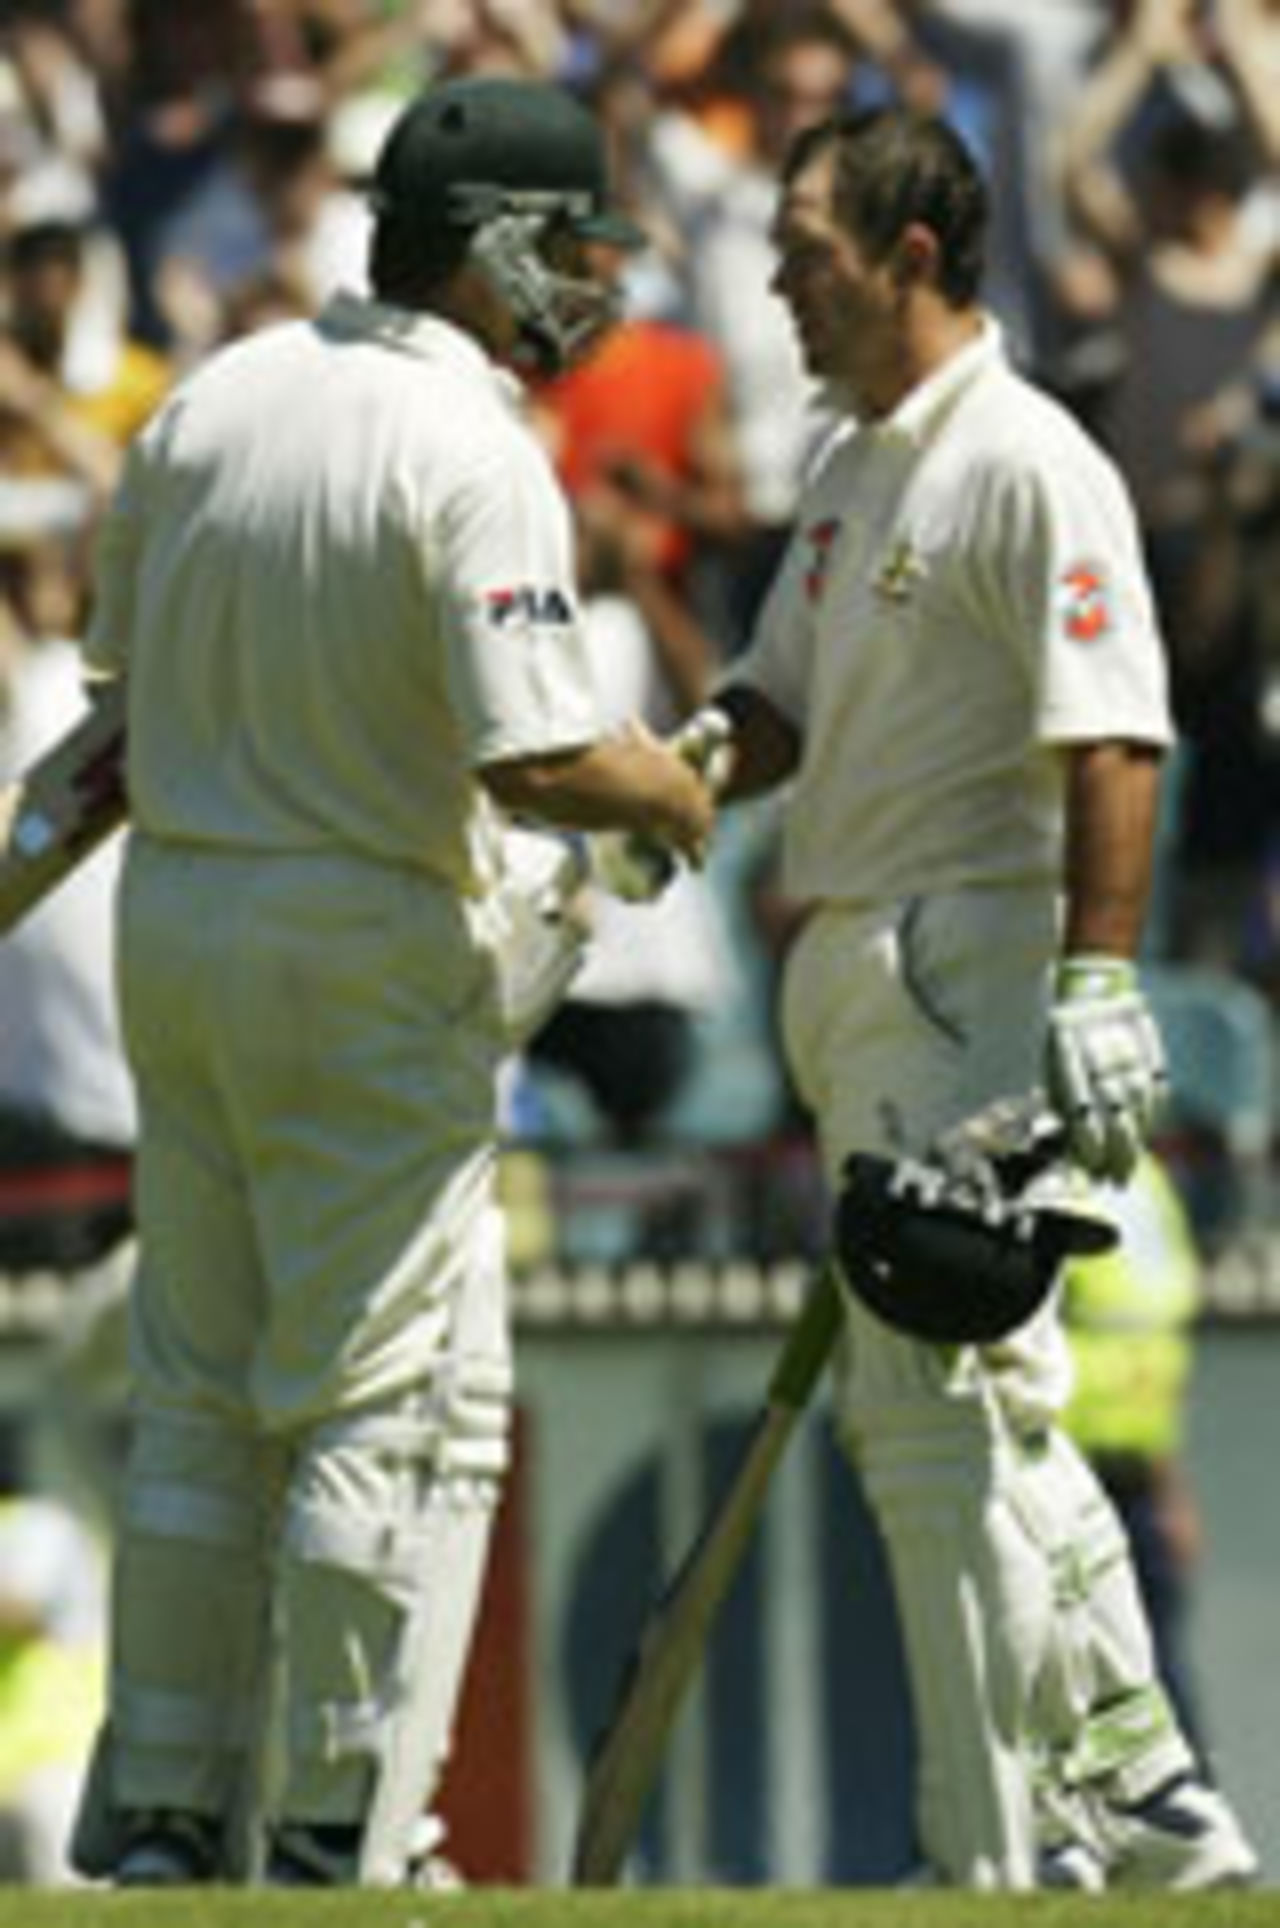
[387, 1529]
[191, 1606]
[974, 1606]
[1100, 1713]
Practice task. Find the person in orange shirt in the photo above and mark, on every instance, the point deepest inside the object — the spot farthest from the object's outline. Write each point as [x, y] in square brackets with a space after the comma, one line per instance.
[640, 433]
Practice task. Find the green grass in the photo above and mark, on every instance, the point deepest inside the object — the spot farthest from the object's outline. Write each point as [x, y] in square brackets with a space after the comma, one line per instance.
[653, 1908]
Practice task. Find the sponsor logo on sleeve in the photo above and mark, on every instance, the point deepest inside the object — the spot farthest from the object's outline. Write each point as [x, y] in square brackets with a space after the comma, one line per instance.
[1085, 602]
[526, 603]
[819, 536]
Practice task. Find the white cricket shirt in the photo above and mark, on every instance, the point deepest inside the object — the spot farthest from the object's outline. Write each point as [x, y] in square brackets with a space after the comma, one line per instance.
[963, 592]
[339, 575]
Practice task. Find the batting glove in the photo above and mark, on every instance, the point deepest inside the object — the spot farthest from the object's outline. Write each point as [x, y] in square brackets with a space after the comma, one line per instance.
[1104, 1064]
[539, 928]
[638, 868]
[706, 744]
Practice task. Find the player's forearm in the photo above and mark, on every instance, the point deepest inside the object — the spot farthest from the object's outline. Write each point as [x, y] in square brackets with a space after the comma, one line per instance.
[1112, 797]
[627, 782]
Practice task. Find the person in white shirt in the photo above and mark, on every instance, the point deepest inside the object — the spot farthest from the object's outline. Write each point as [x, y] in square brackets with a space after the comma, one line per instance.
[959, 673]
[338, 581]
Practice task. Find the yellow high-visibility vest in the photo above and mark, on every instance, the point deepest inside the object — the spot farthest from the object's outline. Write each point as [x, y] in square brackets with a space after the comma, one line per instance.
[51, 1687]
[1128, 1315]
[51, 1698]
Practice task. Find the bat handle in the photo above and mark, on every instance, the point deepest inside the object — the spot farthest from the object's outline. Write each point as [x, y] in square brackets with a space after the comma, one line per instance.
[809, 1346]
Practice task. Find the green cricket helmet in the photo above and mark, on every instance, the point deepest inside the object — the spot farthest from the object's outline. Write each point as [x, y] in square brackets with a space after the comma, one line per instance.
[506, 163]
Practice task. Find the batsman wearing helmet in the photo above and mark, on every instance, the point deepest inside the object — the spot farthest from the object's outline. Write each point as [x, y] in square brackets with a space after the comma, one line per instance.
[959, 671]
[338, 586]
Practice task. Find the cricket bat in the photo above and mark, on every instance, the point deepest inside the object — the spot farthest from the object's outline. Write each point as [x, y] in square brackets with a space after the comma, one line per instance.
[62, 807]
[671, 1644]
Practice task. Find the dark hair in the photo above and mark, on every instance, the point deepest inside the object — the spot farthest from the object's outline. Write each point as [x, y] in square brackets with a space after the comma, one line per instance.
[894, 166]
[802, 26]
[1190, 154]
[756, 39]
[45, 242]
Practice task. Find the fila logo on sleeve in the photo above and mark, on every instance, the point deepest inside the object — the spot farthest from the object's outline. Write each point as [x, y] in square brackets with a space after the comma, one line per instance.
[526, 603]
[1085, 602]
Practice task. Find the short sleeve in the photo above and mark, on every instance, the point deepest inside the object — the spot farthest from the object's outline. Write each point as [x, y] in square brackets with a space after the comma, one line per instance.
[519, 674]
[1067, 577]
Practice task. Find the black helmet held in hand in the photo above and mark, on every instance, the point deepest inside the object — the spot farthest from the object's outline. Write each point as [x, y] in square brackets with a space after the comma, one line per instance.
[963, 1245]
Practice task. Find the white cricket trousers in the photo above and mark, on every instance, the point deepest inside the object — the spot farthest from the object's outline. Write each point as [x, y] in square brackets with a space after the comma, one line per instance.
[899, 1022]
[319, 1332]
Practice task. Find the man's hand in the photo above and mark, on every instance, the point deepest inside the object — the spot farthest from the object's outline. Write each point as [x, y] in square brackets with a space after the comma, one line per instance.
[628, 780]
[638, 868]
[1104, 1064]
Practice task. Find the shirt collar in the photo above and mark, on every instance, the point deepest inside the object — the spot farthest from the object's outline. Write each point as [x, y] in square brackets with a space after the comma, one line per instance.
[408, 330]
[919, 413]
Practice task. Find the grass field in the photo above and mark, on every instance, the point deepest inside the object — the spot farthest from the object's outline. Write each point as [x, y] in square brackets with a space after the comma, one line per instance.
[683, 1908]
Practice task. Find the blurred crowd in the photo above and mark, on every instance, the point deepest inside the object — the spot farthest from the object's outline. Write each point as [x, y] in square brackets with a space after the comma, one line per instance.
[173, 176]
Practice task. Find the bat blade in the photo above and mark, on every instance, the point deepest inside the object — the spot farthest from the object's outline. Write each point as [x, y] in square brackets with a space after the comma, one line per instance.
[626, 1761]
[61, 808]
